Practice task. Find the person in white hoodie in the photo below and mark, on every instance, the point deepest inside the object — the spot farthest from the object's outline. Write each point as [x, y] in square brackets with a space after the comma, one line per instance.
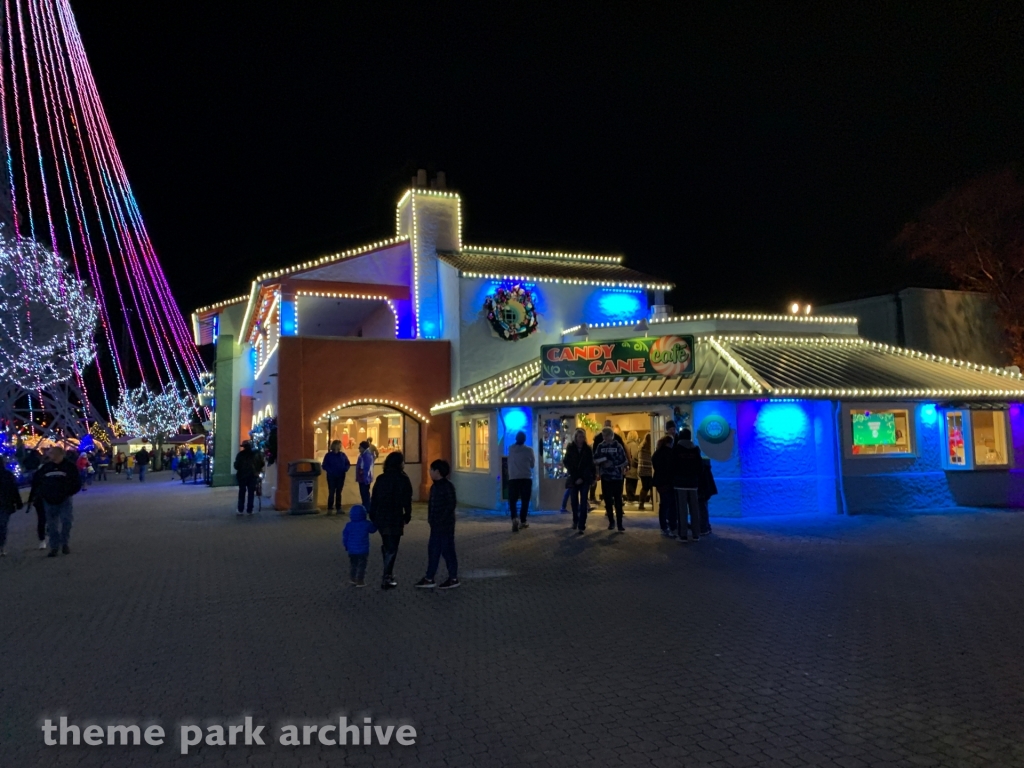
[520, 480]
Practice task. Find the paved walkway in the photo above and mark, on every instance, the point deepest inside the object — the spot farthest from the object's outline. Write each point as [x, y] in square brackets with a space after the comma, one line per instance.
[838, 642]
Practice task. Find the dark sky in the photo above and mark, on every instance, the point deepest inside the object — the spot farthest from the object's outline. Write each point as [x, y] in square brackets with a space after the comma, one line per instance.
[753, 153]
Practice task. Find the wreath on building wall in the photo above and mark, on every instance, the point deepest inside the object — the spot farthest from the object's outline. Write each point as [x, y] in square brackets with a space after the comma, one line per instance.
[511, 312]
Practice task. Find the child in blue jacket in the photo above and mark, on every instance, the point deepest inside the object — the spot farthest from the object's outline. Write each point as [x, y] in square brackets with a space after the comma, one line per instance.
[356, 540]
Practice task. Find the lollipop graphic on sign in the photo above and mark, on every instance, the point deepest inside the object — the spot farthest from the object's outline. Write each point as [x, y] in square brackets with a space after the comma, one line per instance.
[670, 355]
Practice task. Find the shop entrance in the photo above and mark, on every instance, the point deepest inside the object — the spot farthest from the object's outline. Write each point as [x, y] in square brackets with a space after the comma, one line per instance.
[387, 429]
[556, 429]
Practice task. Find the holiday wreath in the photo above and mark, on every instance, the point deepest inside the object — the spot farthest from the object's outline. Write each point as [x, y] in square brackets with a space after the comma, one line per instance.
[511, 312]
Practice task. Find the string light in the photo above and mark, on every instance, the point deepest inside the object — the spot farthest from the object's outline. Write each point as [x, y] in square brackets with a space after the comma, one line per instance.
[221, 304]
[47, 316]
[570, 281]
[358, 296]
[142, 413]
[498, 251]
[741, 316]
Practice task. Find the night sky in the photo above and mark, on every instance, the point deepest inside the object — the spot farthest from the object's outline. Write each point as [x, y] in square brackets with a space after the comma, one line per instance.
[751, 154]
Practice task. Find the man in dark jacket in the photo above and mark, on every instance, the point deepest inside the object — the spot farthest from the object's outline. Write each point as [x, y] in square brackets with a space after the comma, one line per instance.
[687, 468]
[579, 463]
[247, 475]
[335, 465]
[662, 462]
[142, 462]
[55, 483]
[441, 517]
[391, 511]
[10, 502]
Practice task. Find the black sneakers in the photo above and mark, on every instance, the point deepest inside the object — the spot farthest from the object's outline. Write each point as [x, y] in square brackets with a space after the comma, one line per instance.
[66, 549]
[449, 584]
[426, 583]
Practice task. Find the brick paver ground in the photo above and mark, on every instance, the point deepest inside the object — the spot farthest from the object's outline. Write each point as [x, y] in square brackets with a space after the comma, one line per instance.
[843, 642]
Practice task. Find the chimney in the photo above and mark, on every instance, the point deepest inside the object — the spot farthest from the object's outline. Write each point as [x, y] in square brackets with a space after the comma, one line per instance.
[441, 181]
[421, 177]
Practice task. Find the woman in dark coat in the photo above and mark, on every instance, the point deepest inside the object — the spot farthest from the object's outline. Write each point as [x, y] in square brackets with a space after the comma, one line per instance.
[579, 463]
[391, 511]
[661, 463]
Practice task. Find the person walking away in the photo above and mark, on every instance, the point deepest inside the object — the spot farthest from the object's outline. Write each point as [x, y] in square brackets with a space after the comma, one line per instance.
[335, 466]
[197, 467]
[142, 462]
[82, 465]
[706, 488]
[568, 483]
[55, 483]
[364, 472]
[355, 537]
[129, 466]
[686, 471]
[520, 480]
[175, 464]
[441, 516]
[185, 466]
[118, 463]
[246, 474]
[611, 461]
[10, 502]
[633, 455]
[391, 511]
[35, 501]
[662, 462]
[579, 463]
[645, 470]
[103, 465]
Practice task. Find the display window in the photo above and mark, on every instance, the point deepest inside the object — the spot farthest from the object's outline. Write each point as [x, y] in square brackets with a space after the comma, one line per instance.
[473, 444]
[881, 432]
[386, 430]
[956, 447]
[990, 444]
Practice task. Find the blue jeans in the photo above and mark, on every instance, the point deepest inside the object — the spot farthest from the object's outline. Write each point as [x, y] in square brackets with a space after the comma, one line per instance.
[142, 472]
[442, 545]
[688, 510]
[357, 566]
[59, 518]
[364, 494]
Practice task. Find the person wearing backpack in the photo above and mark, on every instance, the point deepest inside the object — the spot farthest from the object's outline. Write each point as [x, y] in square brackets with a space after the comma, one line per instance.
[335, 465]
[10, 502]
[247, 475]
[55, 483]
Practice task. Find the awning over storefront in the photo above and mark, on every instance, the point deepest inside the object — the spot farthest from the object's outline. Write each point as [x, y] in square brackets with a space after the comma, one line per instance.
[762, 366]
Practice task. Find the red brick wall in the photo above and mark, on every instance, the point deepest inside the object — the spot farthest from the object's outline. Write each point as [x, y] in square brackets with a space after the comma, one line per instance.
[315, 375]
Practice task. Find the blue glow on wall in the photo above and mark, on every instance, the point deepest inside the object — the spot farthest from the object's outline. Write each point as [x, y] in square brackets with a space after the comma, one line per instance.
[615, 305]
[515, 419]
[781, 423]
[929, 416]
[289, 318]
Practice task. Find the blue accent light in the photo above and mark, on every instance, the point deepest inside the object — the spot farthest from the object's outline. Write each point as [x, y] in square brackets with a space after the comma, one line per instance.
[781, 422]
[929, 416]
[428, 330]
[515, 419]
[610, 305]
[216, 328]
[289, 318]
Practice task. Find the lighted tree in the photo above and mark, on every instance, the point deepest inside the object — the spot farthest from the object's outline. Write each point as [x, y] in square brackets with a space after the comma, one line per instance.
[47, 316]
[975, 234]
[155, 417]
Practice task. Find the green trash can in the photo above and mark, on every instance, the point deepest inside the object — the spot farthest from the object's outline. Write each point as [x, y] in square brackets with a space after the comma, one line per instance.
[305, 486]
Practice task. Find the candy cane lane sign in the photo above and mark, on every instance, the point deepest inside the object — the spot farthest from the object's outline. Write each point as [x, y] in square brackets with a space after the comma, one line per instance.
[649, 356]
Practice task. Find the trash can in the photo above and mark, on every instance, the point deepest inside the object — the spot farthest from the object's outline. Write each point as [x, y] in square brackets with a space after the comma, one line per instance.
[304, 474]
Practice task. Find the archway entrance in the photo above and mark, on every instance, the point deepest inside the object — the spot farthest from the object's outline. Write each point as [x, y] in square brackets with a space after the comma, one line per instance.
[386, 429]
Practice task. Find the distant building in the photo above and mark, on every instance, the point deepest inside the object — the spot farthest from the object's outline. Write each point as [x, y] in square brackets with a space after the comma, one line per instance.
[958, 324]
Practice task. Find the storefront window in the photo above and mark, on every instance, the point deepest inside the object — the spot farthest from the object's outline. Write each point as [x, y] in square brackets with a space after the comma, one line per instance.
[482, 447]
[465, 440]
[879, 433]
[387, 429]
[956, 451]
[990, 449]
[557, 433]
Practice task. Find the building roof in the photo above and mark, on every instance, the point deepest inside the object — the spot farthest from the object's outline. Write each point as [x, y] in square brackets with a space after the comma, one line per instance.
[764, 367]
[504, 264]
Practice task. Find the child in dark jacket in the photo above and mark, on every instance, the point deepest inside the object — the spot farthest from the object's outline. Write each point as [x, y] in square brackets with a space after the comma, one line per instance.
[356, 539]
[441, 517]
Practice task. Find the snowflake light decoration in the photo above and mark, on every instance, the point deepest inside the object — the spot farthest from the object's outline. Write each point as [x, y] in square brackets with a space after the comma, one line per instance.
[140, 413]
[47, 316]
